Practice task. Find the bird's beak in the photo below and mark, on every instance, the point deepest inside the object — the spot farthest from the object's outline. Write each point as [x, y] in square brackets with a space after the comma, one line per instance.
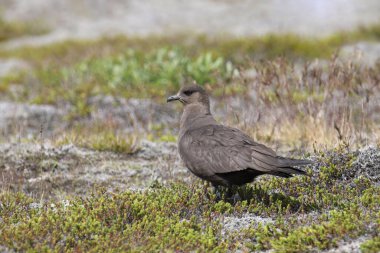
[173, 98]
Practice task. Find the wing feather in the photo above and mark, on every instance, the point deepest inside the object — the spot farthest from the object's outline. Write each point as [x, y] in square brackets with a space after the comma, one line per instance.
[217, 149]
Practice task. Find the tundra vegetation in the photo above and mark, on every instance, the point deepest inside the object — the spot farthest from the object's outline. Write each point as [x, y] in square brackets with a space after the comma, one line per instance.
[104, 175]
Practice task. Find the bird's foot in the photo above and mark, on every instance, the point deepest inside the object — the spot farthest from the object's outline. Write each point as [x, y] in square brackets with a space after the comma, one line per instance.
[235, 198]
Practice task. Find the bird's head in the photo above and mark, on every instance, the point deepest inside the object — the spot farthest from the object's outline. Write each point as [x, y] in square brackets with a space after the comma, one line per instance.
[191, 95]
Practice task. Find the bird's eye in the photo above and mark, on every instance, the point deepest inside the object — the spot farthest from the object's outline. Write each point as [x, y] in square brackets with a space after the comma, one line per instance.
[188, 92]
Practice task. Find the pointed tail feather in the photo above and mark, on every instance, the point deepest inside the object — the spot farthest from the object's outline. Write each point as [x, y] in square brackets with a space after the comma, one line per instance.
[285, 165]
[288, 162]
[291, 170]
[280, 174]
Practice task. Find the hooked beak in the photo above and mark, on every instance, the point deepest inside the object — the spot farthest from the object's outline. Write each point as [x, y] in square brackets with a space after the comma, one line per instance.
[173, 98]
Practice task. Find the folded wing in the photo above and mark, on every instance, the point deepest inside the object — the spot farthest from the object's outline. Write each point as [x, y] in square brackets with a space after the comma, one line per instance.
[219, 150]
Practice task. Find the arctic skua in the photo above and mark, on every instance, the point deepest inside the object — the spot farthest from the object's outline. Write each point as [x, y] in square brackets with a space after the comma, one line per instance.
[220, 154]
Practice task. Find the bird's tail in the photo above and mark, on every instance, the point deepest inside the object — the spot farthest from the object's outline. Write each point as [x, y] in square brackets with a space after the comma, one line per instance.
[288, 162]
[286, 169]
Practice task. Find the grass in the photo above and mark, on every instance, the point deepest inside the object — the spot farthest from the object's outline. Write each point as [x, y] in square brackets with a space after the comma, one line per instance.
[183, 217]
[74, 71]
[309, 102]
[314, 106]
[100, 137]
[12, 30]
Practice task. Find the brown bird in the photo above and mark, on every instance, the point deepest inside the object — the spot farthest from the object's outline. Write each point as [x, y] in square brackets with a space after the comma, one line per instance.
[220, 154]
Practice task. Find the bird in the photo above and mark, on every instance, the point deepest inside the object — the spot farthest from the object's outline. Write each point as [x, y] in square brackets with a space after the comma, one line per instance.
[220, 154]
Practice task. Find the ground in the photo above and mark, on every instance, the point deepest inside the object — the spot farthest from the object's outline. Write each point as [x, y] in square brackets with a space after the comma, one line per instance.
[88, 154]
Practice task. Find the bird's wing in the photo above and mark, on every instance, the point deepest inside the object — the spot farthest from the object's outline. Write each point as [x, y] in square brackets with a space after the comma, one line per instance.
[216, 149]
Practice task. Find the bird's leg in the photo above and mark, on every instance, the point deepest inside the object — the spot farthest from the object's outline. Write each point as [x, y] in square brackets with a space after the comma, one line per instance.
[233, 194]
[206, 191]
[218, 192]
[226, 193]
[229, 191]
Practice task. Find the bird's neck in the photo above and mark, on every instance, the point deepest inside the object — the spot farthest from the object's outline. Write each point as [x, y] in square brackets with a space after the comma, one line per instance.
[194, 116]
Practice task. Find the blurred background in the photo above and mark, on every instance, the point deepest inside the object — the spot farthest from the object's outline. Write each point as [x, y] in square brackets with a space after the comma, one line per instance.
[298, 75]
[92, 19]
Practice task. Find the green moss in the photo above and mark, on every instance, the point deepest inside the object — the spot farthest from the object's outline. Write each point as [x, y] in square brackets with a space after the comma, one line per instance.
[324, 236]
[308, 213]
[165, 218]
[371, 245]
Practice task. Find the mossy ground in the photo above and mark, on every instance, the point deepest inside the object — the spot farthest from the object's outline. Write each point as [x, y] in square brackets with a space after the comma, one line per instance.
[308, 104]
[309, 213]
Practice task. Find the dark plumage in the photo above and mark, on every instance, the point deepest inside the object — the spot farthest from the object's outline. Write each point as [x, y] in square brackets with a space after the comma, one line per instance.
[221, 154]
